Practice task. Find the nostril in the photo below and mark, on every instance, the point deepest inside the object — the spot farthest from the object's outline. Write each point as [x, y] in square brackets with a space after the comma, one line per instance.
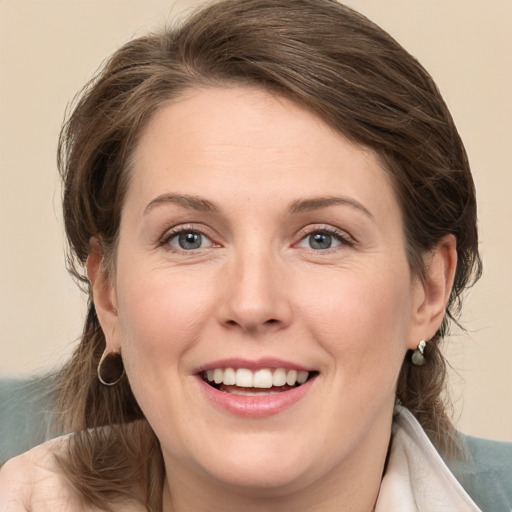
[250, 326]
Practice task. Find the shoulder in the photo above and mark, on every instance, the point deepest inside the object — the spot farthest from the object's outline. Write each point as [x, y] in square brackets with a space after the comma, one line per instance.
[484, 469]
[486, 472]
[34, 482]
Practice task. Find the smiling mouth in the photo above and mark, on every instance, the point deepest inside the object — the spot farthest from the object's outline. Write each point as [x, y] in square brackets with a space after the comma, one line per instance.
[265, 381]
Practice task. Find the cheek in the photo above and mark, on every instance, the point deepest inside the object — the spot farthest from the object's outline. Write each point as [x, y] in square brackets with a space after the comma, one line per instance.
[159, 324]
[362, 321]
[364, 333]
[161, 318]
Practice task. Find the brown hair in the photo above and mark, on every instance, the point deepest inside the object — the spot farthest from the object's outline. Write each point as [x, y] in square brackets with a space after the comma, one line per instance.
[328, 59]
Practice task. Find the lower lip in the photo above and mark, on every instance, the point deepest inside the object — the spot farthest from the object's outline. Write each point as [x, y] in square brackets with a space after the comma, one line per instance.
[258, 406]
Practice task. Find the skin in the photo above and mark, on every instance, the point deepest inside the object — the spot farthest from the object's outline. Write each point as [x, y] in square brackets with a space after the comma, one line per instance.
[257, 288]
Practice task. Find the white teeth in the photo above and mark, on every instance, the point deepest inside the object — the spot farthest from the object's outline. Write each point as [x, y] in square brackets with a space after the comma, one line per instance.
[252, 392]
[244, 378]
[302, 377]
[291, 378]
[218, 375]
[229, 377]
[279, 377]
[263, 378]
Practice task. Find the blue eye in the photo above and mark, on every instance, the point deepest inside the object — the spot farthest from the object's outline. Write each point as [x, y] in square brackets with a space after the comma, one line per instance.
[322, 240]
[188, 240]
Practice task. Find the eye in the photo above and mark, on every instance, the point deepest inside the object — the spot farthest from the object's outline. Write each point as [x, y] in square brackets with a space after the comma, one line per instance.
[321, 241]
[188, 240]
[324, 239]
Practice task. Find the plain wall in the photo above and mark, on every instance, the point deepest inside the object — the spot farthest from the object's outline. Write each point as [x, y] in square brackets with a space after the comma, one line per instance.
[49, 49]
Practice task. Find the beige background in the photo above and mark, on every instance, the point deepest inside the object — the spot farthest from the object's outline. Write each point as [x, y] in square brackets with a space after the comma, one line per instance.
[48, 49]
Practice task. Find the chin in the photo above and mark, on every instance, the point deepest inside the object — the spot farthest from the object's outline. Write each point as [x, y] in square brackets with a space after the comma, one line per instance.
[270, 478]
[264, 464]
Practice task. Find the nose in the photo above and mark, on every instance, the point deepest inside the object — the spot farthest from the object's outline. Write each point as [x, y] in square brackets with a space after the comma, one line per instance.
[255, 297]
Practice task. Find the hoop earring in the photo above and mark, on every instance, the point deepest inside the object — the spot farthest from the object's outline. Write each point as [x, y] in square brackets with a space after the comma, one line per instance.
[418, 357]
[110, 368]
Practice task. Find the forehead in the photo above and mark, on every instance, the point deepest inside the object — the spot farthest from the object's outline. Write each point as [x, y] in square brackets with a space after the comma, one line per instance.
[216, 141]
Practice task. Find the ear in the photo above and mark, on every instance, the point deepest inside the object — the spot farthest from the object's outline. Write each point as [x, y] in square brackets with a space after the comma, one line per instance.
[103, 292]
[433, 291]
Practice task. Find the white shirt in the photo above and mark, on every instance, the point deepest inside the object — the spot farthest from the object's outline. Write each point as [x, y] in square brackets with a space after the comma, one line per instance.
[416, 478]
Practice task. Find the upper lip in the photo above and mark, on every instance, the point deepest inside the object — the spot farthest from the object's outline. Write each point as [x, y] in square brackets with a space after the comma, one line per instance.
[255, 364]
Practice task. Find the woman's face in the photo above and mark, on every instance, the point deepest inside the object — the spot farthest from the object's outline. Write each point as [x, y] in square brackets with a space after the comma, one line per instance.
[259, 247]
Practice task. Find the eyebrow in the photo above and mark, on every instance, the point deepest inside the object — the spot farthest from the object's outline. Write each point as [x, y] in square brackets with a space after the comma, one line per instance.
[298, 206]
[316, 203]
[185, 201]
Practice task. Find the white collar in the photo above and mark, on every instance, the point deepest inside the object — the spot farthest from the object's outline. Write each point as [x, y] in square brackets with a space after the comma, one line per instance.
[416, 477]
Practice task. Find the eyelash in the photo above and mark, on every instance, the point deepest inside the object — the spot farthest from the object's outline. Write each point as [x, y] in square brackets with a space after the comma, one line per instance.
[184, 229]
[343, 238]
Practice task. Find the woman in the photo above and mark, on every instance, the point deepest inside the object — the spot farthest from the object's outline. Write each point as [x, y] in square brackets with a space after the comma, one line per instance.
[274, 217]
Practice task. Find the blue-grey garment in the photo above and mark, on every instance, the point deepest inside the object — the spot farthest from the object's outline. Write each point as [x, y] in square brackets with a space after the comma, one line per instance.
[26, 413]
[486, 474]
